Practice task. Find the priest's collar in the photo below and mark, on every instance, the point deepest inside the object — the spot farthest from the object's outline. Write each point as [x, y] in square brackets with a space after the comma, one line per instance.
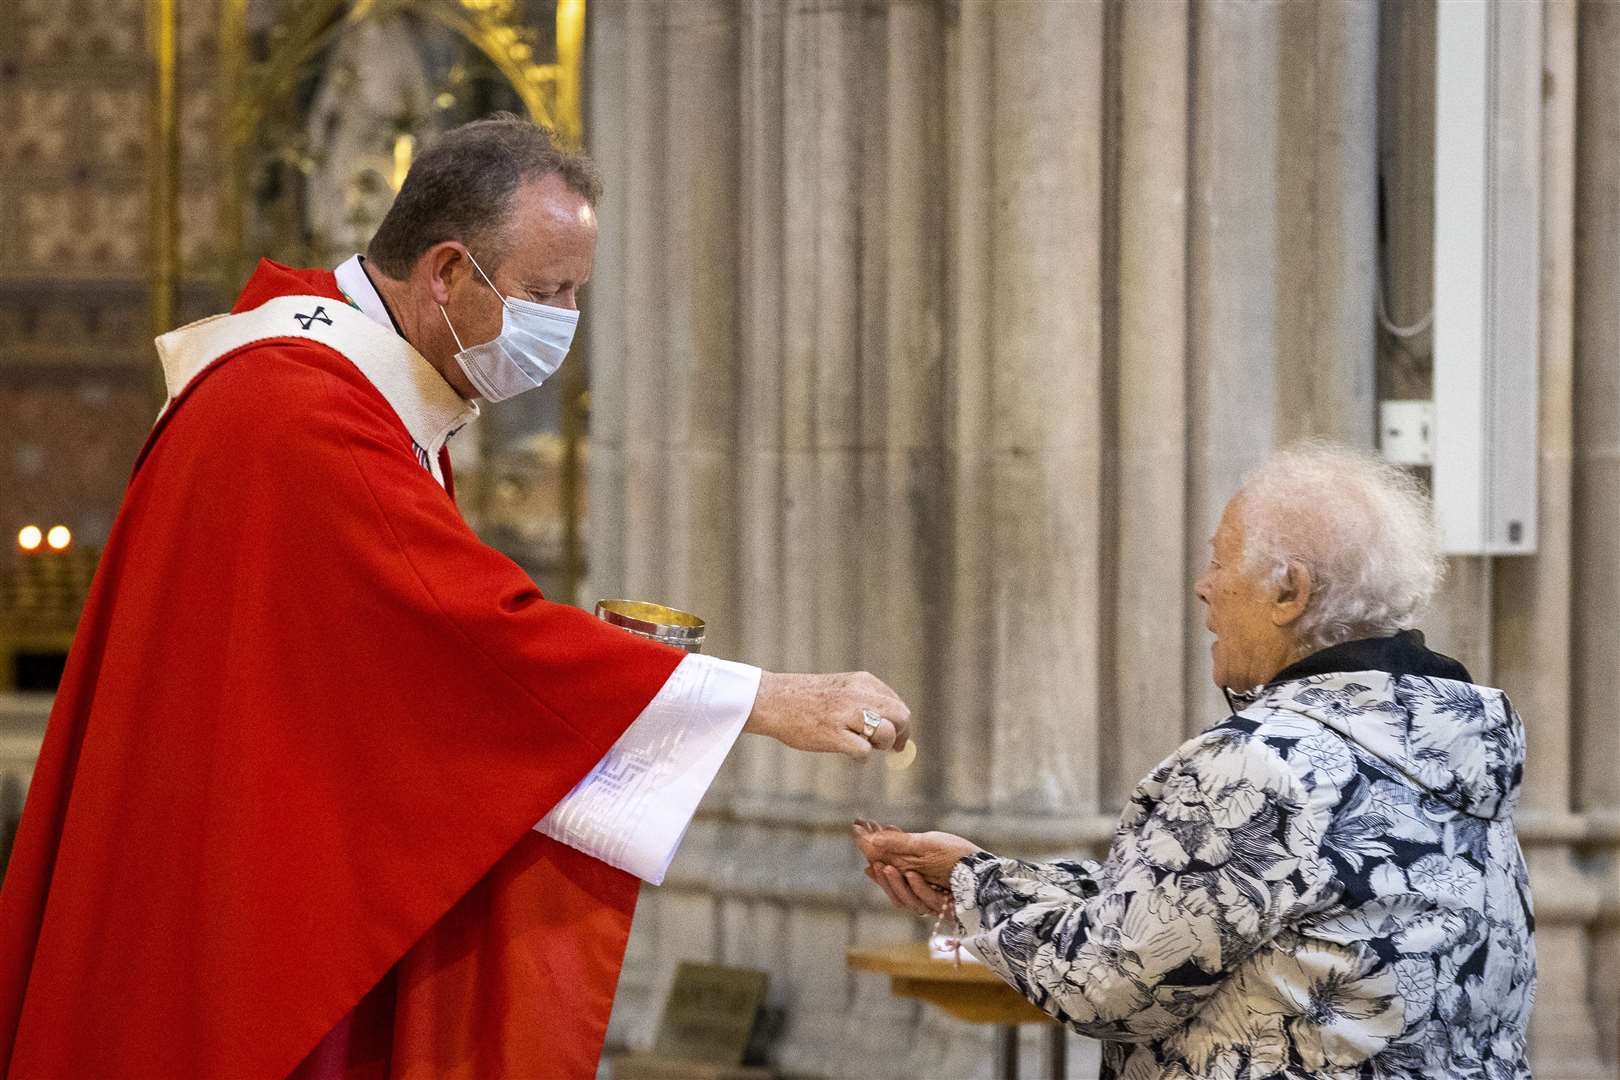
[358, 290]
[430, 406]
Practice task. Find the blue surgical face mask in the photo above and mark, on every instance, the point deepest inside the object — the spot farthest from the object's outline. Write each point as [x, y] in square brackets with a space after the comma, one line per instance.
[532, 344]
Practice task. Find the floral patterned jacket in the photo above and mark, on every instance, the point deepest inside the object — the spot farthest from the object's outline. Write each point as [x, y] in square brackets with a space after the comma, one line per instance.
[1326, 885]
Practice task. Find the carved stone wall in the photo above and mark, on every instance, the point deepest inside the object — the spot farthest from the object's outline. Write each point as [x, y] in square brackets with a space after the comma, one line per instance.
[930, 337]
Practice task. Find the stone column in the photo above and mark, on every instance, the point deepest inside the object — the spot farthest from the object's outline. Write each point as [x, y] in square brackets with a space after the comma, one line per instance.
[823, 109]
[971, 317]
[1534, 610]
[1327, 220]
[902, 532]
[698, 414]
[1595, 734]
[1597, 421]
[829, 83]
[907, 599]
[1232, 317]
[607, 127]
[689, 432]
[754, 925]
[646, 519]
[969, 115]
[761, 423]
[1044, 613]
[608, 124]
[1151, 450]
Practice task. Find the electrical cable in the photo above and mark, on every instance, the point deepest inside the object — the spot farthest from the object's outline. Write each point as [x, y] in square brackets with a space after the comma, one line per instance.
[1402, 332]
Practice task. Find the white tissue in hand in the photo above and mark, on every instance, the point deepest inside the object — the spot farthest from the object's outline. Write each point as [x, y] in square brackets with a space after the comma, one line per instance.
[950, 947]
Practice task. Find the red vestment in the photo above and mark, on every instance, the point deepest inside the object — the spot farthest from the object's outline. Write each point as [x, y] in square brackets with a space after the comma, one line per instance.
[306, 727]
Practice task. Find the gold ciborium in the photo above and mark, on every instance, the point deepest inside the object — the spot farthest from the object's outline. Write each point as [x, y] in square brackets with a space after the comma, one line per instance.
[657, 622]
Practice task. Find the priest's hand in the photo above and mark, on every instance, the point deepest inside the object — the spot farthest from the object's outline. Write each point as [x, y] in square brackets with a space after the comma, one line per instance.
[826, 713]
[912, 869]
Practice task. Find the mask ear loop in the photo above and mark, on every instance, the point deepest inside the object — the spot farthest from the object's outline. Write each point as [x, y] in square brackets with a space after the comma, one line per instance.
[488, 282]
[452, 326]
[459, 346]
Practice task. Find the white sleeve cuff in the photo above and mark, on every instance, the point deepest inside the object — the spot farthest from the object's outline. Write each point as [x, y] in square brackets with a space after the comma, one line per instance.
[633, 808]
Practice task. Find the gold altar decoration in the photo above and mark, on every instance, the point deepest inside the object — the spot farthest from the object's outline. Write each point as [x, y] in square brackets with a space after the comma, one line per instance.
[549, 91]
[523, 55]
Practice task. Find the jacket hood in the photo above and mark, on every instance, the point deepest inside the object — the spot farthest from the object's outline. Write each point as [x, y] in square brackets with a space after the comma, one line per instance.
[1418, 712]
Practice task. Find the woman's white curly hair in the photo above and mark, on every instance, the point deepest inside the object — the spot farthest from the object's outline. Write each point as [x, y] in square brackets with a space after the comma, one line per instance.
[1364, 528]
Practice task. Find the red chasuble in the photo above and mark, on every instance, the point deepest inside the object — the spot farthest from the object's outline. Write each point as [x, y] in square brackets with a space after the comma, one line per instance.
[287, 791]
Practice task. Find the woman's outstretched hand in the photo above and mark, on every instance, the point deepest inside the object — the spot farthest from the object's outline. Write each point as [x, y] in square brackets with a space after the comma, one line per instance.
[912, 869]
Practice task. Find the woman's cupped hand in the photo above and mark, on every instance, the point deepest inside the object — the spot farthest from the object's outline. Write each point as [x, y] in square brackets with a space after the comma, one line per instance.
[912, 869]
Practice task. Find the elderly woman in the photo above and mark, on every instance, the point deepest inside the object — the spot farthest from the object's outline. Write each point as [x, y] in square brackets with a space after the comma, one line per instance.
[1327, 883]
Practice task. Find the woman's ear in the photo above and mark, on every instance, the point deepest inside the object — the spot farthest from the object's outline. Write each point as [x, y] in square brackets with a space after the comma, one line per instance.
[1293, 594]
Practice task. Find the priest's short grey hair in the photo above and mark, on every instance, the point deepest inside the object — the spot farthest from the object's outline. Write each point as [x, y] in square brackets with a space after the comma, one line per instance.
[461, 187]
[1365, 529]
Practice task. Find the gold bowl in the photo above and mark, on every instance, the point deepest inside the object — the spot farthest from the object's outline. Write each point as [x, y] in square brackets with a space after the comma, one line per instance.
[657, 622]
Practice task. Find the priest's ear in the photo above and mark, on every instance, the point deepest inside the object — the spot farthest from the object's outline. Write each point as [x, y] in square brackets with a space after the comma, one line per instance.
[444, 265]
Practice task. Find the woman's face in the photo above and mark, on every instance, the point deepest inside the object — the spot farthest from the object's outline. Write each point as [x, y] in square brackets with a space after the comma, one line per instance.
[1253, 621]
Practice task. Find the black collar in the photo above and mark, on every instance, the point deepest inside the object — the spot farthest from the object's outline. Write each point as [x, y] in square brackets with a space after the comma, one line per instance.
[386, 305]
[1400, 654]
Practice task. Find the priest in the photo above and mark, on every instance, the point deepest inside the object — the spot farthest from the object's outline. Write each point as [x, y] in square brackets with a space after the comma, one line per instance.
[330, 790]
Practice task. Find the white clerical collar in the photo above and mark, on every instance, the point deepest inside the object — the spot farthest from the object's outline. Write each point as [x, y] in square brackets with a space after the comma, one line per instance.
[358, 289]
[429, 406]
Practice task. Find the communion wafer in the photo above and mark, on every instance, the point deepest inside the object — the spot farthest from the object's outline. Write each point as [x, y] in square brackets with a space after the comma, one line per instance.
[902, 759]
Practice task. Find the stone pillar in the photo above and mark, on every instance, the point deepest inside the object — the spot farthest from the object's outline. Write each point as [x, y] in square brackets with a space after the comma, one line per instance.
[967, 319]
[1597, 422]
[1595, 723]
[645, 536]
[1151, 449]
[1327, 220]
[760, 423]
[1043, 621]
[605, 326]
[1232, 316]
[1534, 611]
[827, 88]
[821, 529]
[969, 118]
[906, 599]
[605, 330]
[1534, 595]
[698, 414]
[759, 390]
